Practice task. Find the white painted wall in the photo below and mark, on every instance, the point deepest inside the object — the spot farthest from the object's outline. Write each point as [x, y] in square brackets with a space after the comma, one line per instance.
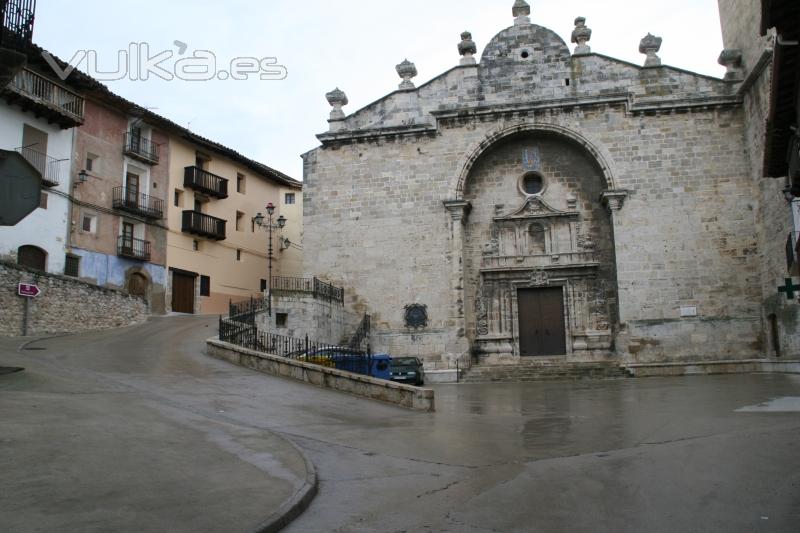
[45, 228]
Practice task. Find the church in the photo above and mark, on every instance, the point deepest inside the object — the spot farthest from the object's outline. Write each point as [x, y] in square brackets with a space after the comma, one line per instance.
[547, 202]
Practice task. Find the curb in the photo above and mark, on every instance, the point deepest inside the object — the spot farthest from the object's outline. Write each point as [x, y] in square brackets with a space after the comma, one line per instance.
[299, 502]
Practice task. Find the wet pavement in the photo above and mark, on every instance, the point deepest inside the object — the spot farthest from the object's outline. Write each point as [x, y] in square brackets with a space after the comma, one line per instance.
[677, 454]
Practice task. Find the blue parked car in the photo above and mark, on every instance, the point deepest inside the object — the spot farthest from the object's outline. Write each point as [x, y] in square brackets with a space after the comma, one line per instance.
[348, 359]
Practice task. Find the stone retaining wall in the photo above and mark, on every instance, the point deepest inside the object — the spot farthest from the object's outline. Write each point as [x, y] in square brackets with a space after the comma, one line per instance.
[326, 378]
[65, 305]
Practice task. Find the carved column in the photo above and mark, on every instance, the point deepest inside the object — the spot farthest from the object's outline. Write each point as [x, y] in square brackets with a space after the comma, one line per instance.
[458, 211]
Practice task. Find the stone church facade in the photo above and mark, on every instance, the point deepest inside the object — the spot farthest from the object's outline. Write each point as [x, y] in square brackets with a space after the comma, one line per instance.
[542, 202]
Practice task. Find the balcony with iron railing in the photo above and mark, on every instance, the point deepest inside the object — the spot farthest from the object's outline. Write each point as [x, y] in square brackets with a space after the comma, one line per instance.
[132, 201]
[48, 167]
[203, 225]
[141, 148]
[55, 102]
[204, 181]
[133, 248]
[17, 17]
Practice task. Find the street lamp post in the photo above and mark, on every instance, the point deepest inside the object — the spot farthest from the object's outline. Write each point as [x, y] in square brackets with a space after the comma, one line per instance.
[269, 224]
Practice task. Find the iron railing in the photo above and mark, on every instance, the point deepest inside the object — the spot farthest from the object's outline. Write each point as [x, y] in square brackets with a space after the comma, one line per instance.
[246, 310]
[320, 289]
[241, 333]
[49, 94]
[134, 202]
[17, 17]
[141, 148]
[203, 225]
[361, 335]
[48, 167]
[133, 248]
[204, 181]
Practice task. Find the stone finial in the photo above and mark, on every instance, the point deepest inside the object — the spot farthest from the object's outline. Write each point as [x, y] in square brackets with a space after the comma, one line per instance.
[731, 58]
[649, 46]
[467, 49]
[580, 36]
[521, 11]
[337, 99]
[406, 70]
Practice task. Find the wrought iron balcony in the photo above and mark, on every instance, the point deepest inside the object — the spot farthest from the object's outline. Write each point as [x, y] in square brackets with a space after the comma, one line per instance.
[141, 148]
[203, 225]
[17, 17]
[132, 201]
[133, 248]
[206, 182]
[48, 167]
[45, 97]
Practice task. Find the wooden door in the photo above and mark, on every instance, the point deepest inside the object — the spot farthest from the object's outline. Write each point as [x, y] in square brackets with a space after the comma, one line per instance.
[32, 257]
[127, 238]
[541, 322]
[182, 293]
[132, 189]
[137, 285]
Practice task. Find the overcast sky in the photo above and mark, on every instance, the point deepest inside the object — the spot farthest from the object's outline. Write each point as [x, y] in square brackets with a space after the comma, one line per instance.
[352, 44]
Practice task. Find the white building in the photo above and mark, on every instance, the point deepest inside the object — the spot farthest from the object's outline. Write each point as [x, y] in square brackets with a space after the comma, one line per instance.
[38, 117]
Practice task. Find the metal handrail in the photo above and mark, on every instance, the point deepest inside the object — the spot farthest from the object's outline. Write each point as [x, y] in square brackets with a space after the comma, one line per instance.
[131, 200]
[48, 167]
[17, 18]
[205, 181]
[317, 287]
[200, 223]
[135, 144]
[133, 248]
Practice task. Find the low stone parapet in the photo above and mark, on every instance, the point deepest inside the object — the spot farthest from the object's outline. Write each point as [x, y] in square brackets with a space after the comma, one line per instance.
[327, 378]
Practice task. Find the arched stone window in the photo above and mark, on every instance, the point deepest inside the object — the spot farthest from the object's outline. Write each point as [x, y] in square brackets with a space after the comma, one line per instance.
[32, 257]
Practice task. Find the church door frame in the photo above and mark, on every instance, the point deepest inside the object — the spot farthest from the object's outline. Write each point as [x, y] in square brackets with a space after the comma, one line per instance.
[566, 289]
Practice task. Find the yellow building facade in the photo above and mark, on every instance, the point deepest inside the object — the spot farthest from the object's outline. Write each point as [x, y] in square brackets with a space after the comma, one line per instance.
[216, 253]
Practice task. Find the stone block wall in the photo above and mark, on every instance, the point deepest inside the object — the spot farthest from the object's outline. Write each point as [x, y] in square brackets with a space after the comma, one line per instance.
[322, 320]
[672, 142]
[65, 305]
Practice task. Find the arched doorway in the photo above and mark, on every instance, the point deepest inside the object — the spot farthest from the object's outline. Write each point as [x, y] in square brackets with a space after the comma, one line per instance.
[539, 258]
[32, 257]
[137, 285]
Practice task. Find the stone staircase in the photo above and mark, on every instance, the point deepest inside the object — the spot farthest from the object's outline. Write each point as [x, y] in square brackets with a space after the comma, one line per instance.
[545, 371]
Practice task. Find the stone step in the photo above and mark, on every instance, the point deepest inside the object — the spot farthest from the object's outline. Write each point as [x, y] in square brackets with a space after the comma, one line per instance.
[544, 371]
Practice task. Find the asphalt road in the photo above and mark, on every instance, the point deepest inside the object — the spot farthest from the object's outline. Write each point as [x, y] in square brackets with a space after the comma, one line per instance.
[652, 455]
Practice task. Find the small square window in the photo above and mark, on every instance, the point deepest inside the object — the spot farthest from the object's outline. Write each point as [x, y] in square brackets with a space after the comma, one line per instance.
[205, 286]
[240, 182]
[91, 162]
[238, 255]
[89, 223]
[196, 245]
[178, 201]
[72, 265]
[43, 200]
[281, 320]
[288, 198]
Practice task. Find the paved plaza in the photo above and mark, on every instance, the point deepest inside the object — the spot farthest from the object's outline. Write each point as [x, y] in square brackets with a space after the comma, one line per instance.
[138, 430]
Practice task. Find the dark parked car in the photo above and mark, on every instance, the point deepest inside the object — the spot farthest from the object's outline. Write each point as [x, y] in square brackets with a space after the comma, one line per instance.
[407, 370]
